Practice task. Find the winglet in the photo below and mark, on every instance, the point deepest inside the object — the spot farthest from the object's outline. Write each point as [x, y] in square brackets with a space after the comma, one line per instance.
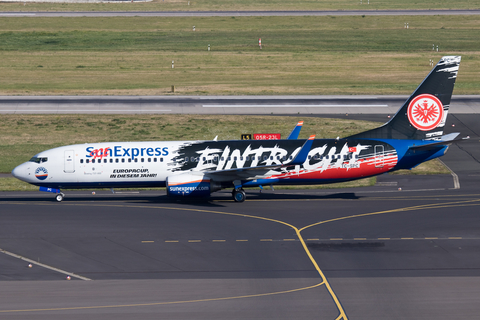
[303, 153]
[296, 131]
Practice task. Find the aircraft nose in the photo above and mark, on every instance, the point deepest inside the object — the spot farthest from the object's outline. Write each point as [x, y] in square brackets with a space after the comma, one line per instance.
[19, 172]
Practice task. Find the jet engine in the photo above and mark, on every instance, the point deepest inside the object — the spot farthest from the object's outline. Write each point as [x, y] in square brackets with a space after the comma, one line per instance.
[193, 185]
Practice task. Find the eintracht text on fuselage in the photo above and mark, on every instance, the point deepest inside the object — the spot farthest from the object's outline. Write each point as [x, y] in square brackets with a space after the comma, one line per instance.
[198, 168]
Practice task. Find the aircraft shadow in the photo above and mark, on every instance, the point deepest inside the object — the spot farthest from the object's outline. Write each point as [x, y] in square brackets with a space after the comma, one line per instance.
[217, 200]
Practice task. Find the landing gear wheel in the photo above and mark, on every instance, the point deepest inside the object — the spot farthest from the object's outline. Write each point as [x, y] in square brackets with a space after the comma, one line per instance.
[238, 195]
[59, 197]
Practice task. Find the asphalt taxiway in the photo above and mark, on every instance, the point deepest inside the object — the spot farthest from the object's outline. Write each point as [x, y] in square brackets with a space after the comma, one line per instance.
[369, 252]
[404, 248]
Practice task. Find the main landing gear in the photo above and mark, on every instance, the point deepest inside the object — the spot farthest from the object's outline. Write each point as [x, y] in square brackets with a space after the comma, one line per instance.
[59, 196]
[238, 195]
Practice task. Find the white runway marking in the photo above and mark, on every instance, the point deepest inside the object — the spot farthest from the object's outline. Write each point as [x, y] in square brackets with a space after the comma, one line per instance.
[71, 274]
[295, 106]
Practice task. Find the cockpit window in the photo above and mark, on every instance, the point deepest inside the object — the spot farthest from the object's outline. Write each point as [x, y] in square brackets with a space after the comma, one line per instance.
[39, 159]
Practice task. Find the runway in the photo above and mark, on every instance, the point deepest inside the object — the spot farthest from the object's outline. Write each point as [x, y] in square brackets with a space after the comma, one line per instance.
[404, 248]
[305, 105]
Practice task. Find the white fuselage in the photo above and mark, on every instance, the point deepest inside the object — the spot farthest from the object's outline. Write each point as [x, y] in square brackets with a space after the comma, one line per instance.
[118, 164]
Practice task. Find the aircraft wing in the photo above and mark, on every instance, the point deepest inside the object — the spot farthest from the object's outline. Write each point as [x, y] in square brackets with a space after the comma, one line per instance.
[249, 172]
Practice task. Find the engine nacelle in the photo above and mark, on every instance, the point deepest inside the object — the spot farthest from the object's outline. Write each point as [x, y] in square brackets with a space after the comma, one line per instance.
[191, 185]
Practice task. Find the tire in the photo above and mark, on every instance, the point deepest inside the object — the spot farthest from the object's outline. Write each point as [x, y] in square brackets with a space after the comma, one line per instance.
[59, 197]
[239, 195]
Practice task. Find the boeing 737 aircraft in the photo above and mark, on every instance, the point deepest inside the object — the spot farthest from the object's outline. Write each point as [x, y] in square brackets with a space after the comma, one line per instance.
[198, 168]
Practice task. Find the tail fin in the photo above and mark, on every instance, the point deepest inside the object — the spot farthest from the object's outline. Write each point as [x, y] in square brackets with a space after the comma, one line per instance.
[424, 113]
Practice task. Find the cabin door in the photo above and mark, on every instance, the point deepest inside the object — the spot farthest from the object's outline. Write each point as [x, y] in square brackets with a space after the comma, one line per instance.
[69, 162]
[379, 156]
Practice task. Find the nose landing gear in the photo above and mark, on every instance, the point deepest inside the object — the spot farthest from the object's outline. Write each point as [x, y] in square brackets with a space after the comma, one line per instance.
[59, 196]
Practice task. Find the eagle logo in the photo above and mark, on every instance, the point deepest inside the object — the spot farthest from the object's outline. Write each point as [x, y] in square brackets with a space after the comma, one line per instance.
[425, 112]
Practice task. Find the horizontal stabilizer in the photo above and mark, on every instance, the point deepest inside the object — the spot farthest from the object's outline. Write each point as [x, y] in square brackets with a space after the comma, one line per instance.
[446, 140]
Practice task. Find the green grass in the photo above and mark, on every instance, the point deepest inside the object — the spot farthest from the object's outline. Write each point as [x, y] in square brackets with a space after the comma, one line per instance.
[300, 55]
[234, 5]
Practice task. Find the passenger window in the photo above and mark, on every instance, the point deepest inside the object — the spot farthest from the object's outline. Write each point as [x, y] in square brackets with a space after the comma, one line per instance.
[149, 160]
[247, 158]
[142, 160]
[222, 158]
[136, 160]
[88, 160]
[111, 160]
[161, 159]
[129, 159]
[309, 157]
[93, 160]
[104, 160]
[116, 160]
[265, 158]
[234, 158]
[123, 159]
[81, 160]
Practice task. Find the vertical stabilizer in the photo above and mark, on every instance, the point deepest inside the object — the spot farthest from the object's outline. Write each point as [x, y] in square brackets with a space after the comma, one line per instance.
[424, 114]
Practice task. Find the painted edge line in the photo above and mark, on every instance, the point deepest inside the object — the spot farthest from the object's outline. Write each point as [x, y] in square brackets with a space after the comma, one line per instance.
[44, 265]
[456, 181]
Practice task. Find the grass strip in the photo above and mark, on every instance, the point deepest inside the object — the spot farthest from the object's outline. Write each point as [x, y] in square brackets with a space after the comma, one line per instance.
[299, 55]
[244, 5]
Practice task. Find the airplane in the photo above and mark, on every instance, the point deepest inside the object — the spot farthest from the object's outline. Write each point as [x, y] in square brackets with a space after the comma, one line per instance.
[198, 168]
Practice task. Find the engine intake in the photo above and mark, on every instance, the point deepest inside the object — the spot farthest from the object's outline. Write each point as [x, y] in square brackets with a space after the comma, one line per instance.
[191, 185]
